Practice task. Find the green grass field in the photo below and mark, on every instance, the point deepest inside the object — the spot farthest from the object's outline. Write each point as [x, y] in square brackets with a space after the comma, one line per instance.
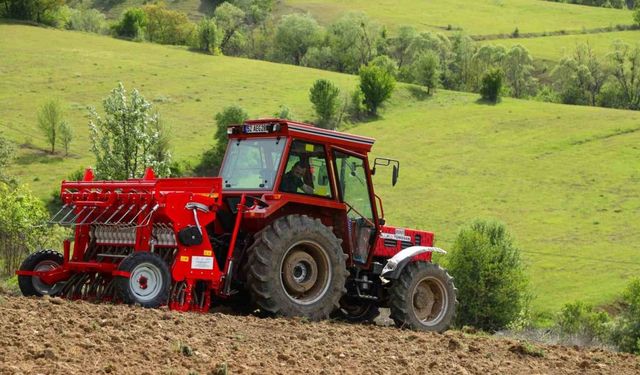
[563, 178]
[477, 17]
[554, 48]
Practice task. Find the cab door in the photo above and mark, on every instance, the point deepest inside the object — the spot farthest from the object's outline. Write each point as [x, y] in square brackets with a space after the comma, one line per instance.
[354, 189]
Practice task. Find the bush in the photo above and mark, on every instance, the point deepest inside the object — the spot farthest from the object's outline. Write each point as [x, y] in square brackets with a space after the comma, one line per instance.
[131, 24]
[165, 26]
[490, 276]
[89, 20]
[324, 97]
[626, 334]
[376, 85]
[7, 154]
[284, 112]
[636, 17]
[579, 320]
[491, 86]
[356, 109]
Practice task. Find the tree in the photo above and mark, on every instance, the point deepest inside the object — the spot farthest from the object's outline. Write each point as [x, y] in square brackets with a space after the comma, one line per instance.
[376, 85]
[438, 44]
[354, 41]
[295, 34]
[491, 86]
[208, 36]
[518, 68]
[324, 96]
[636, 17]
[626, 333]
[7, 153]
[487, 57]
[426, 70]
[131, 24]
[386, 63]
[166, 26]
[579, 78]
[490, 276]
[463, 49]
[49, 121]
[66, 136]
[127, 139]
[211, 159]
[40, 11]
[399, 46]
[626, 70]
[231, 20]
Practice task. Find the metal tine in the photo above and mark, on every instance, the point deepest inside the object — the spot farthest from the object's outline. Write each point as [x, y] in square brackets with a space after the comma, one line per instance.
[99, 216]
[114, 214]
[86, 217]
[147, 218]
[53, 218]
[125, 214]
[72, 207]
[73, 221]
[144, 206]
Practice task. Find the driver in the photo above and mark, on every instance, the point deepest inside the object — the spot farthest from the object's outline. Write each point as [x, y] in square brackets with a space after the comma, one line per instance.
[292, 180]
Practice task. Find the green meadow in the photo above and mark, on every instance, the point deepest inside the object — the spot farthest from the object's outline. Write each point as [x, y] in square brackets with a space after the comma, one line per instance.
[554, 48]
[479, 17]
[563, 178]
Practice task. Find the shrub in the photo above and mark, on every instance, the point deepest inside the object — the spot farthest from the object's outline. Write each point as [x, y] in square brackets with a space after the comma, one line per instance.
[7, 154]
[324, 97]
[376, 85]
[579, 320]
[89, 20]
[386, 63]
[66, 136]
[166, 26]
[636, 17]
[491, 85]
[356, 109]
[284, 113]
[131, 24]
[626, 334]
[490, 276]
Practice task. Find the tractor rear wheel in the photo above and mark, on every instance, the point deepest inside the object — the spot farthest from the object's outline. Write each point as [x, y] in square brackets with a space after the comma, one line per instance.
[149, 282]
[43, 260]
[296, 267]
[423, 298]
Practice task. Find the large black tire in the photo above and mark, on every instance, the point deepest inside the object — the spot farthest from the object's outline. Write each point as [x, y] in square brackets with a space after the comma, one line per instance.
[296, 267]
[357, 311]
[42, 260]
[150, 282]
[423, 298]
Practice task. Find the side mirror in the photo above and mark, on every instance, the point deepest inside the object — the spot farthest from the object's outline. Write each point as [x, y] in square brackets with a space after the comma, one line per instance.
[394, 176]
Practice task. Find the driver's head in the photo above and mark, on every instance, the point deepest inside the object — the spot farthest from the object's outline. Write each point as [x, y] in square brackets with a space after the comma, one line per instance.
[299, 169]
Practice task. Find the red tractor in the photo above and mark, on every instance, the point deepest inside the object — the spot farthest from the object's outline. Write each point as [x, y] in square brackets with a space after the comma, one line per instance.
[291, 227]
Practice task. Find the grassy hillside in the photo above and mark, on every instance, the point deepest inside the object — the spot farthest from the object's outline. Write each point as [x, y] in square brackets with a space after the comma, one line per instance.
[563, 178]
[478, 17]
[553, 48]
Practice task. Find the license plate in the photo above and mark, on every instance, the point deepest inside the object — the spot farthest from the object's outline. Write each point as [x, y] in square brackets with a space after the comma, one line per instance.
[258, 128]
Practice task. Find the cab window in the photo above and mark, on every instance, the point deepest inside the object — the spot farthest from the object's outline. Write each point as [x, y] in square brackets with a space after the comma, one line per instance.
[306, 170]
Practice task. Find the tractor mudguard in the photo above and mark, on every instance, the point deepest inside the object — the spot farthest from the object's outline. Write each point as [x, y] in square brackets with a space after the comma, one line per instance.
[396, 264]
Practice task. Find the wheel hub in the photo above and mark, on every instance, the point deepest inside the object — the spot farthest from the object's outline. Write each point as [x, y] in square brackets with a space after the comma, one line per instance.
[305, 273]
[39, 285]
[145, 282]
[430, 301]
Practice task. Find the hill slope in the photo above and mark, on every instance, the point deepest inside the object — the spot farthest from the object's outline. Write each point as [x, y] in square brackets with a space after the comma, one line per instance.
[478, 17]
[563, 178]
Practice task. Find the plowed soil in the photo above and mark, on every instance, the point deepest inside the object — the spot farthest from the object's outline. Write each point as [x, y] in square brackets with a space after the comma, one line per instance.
[54, 336]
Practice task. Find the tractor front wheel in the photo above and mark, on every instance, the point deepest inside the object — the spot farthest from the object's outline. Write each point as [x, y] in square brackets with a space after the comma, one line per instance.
[423, 298]
[44, 260]
[149, 282]
[296, 267]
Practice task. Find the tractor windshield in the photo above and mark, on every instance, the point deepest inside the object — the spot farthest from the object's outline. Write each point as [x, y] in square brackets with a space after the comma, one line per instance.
[251, 164]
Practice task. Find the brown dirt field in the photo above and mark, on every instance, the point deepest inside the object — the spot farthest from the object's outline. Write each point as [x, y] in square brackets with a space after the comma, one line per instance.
[54, 336]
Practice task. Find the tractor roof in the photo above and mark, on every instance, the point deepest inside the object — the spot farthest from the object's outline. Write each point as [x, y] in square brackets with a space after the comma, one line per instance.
[287, 128]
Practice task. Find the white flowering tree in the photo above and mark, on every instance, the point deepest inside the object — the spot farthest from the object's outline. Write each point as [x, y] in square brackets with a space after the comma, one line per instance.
[129, 138]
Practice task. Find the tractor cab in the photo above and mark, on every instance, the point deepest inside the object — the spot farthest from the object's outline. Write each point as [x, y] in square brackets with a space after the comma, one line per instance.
[290, 167]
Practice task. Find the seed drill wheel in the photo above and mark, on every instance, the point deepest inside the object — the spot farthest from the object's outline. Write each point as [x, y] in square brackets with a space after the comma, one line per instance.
[149, 283]
[44, 260]
[296, 267]
[423, 298]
